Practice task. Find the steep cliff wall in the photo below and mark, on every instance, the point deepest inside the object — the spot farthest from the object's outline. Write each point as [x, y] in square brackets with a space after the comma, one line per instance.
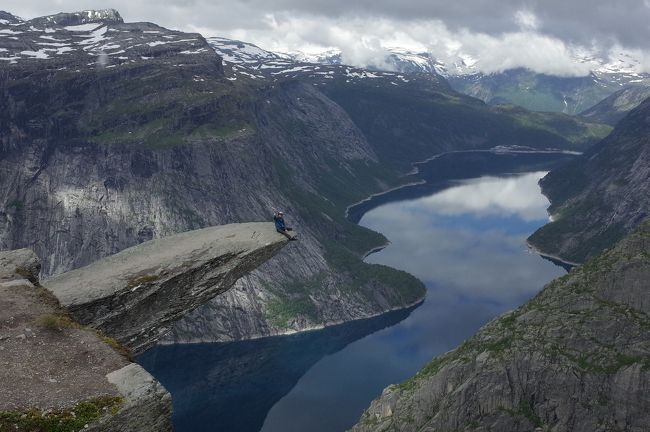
[602, 195]
[102, 159]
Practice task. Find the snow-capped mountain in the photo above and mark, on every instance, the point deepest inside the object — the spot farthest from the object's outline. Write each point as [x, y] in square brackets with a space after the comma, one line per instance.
[92, 39]
[247, 60]
[396, 60]
[516, 86]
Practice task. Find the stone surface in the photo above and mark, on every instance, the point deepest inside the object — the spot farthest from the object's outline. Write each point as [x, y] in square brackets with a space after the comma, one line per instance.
[49, 362]
[574, 358]
[19, 263]
[136, 294]
[42, 366]
[147, 405]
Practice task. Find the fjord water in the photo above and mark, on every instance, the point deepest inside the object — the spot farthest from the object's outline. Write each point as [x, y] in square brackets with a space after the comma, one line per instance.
[466, 242]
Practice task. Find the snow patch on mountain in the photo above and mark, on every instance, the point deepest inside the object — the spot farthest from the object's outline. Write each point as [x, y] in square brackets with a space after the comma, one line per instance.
[92, 38]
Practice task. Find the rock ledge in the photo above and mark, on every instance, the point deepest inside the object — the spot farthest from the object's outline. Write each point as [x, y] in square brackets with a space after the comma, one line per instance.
[136, 294]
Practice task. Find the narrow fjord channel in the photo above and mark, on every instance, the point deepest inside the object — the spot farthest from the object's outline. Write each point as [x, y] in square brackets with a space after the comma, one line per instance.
[464, 238]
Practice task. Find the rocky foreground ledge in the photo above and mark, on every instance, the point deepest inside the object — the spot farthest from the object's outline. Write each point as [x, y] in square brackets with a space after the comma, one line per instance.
[574, 358]
[58, 375]
[135, 295]
[58, 368]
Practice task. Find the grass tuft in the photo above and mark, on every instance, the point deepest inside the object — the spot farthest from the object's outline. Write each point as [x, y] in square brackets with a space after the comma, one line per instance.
[56, 322]
[65, 420]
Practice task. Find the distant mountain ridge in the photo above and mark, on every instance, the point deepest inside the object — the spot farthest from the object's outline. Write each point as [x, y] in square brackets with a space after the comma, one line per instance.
[92, 39]
[250, 61]
[526, 88]
[614, 107]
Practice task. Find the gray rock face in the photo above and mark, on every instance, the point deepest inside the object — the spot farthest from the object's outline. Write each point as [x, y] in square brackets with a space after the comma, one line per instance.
[136, 294]
[574, 358]
[160, 142]
[147, 405]
[23, 262]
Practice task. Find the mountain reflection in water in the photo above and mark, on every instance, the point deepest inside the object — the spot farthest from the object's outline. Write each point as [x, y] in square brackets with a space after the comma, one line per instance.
[232, 386]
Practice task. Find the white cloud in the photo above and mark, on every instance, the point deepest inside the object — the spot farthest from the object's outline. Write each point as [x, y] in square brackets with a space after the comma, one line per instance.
[526, 49]
[364, 42]
[504, 35]
[526, 20]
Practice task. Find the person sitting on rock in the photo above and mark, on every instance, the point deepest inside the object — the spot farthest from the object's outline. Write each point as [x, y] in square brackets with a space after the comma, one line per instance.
[280, 225]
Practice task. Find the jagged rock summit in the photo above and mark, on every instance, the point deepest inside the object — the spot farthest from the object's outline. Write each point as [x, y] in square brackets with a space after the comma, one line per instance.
[105, 16]
[137, 293]
[96, 39]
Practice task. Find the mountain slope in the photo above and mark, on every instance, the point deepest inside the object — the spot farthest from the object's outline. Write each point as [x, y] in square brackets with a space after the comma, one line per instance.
[574, 358]
[415, 120]
[614, 107]
[599, 197]
[539, 92]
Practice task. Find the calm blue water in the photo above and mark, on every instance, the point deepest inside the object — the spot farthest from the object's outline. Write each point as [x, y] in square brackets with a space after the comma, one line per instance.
[466, 242]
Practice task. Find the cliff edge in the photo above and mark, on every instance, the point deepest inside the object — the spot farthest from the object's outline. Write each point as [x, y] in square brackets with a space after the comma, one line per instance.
[135, 295]
[601, 196]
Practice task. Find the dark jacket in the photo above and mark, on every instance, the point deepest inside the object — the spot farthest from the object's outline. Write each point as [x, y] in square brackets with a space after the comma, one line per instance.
[279, 223]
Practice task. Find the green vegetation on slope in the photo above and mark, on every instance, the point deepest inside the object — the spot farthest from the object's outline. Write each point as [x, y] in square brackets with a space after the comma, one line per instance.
[345, 243]
[407, 124]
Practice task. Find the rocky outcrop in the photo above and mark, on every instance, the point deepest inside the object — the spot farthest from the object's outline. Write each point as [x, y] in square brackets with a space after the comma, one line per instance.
[602, 195]
[135, 295]
[146, 405]
[160, 142]
[58, 374]
[101, 16]
[574, 358]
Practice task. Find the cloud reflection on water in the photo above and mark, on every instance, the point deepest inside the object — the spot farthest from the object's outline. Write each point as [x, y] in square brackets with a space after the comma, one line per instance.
[454, 240]
[489, 196]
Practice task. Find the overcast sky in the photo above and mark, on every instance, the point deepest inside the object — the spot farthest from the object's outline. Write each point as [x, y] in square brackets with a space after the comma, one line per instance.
[500, 34]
